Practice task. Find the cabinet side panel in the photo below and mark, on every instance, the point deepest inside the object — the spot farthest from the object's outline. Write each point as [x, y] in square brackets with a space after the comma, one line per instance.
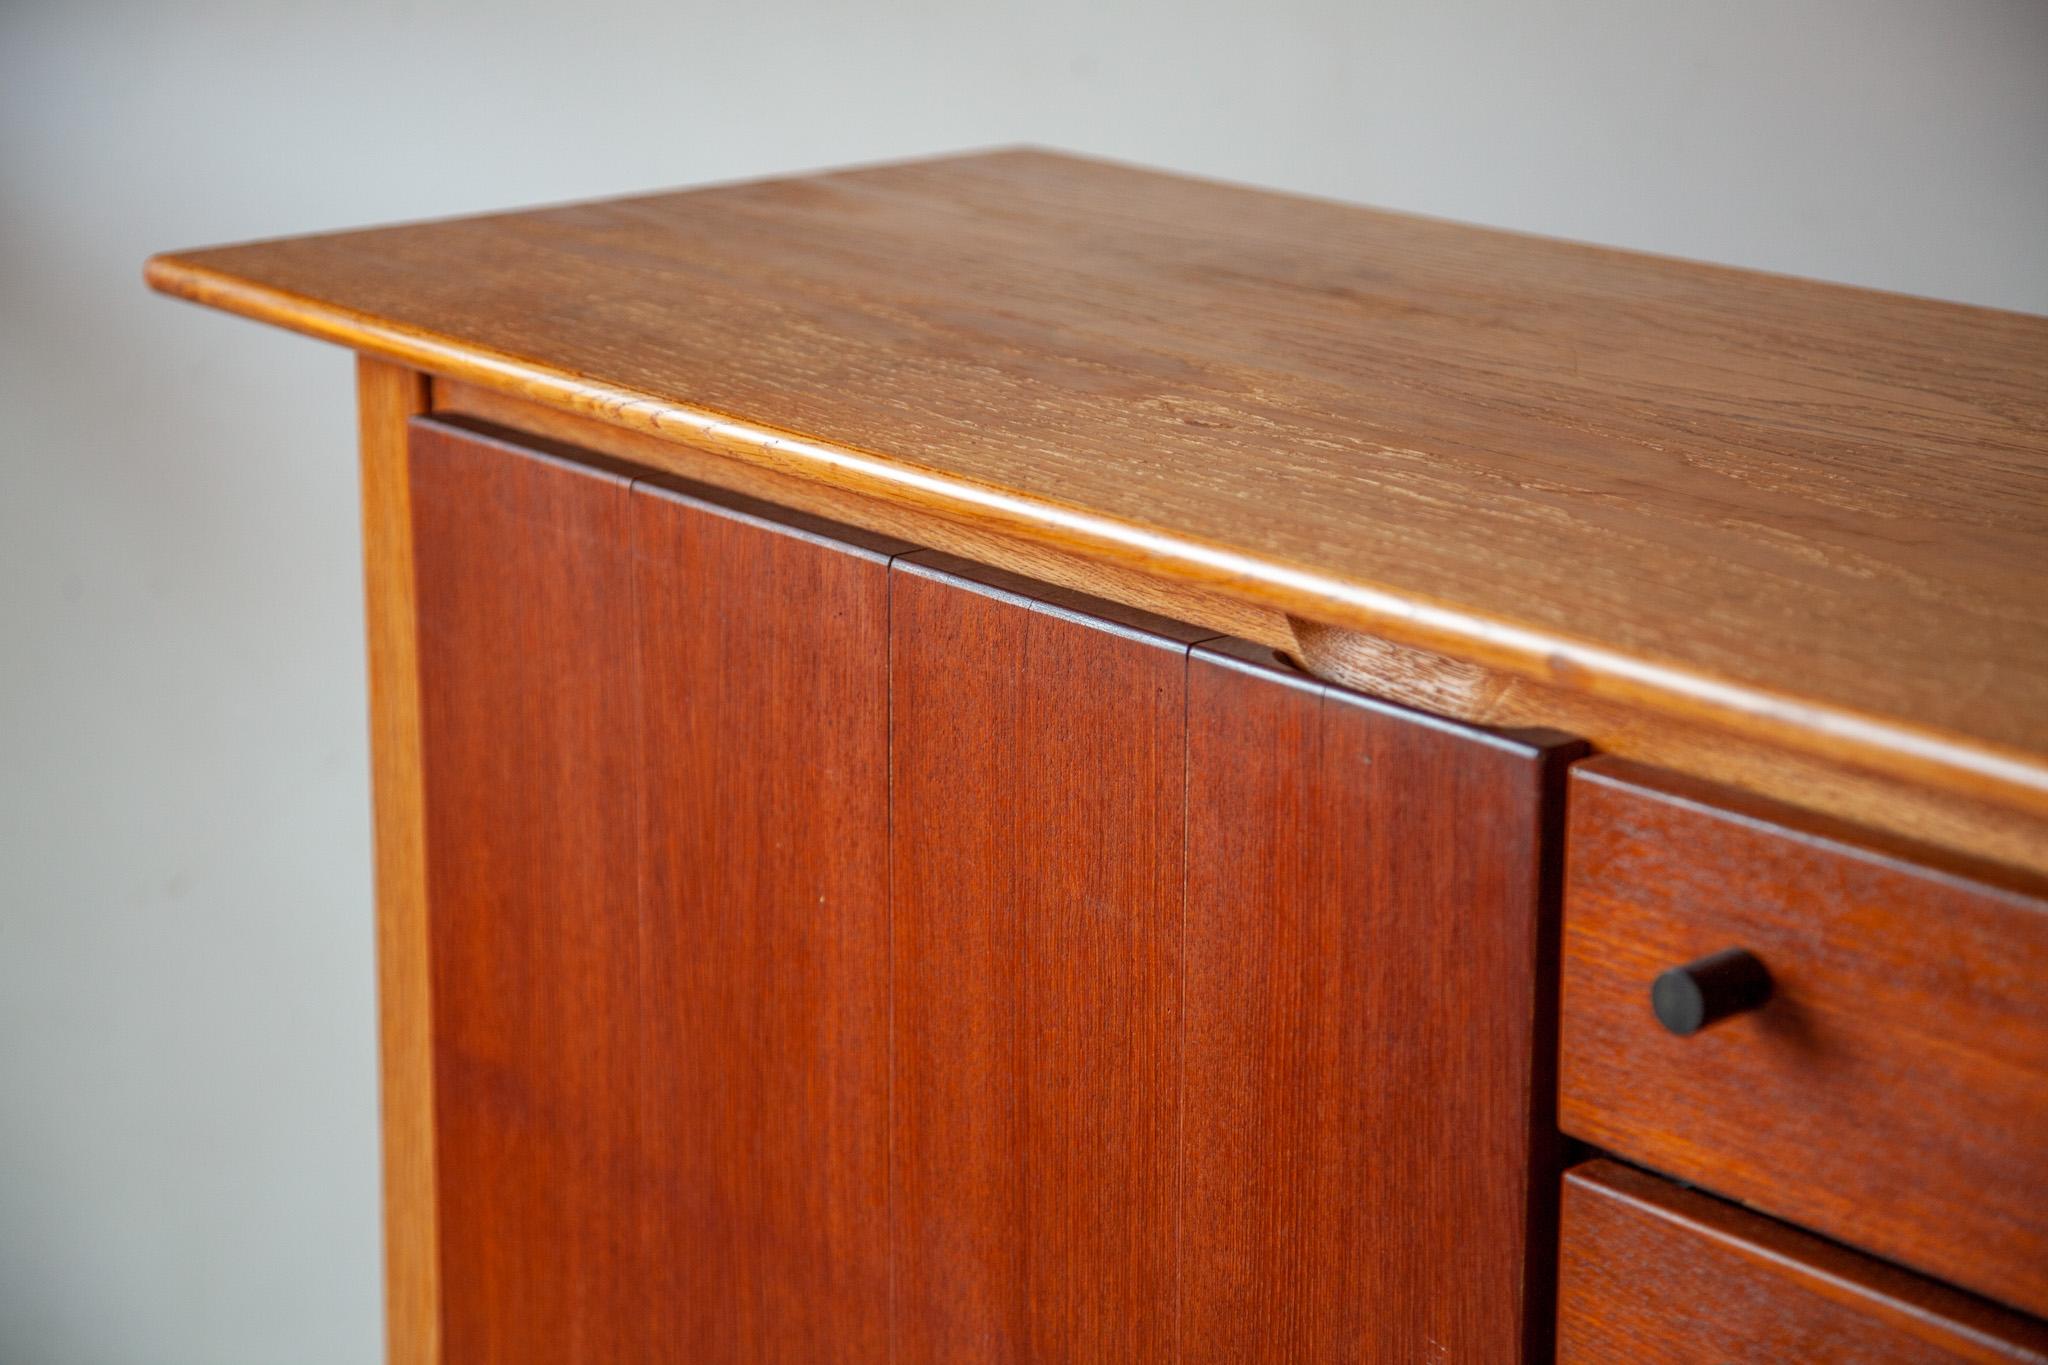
[1364, 1147]
[765, 1040]
[1038, 769]
[528, 710]
[387, 398]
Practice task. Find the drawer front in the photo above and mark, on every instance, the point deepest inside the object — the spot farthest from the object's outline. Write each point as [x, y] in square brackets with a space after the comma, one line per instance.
[1892, 1091]
[1652, 1272]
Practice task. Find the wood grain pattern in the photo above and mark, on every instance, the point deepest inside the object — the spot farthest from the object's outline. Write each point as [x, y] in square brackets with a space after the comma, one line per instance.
[1681, 487]
[1893, 1093]
[1039, 775]
[928, 528]
[1652, 1273]
[528, 693]
[1369, 1150]
[387, 397]
[765, 1032]
[1399, 673]
[1489, 697]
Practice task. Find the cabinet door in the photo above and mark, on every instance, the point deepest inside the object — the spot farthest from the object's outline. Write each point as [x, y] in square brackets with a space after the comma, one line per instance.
[1219, 1033]
[1039, 779]
[655, 743]
[529, 705]
[839, 956]
[765, 1030]
[1367, 1157]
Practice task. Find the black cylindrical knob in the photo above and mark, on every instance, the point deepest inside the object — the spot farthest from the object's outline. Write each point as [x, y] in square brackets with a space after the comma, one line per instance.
[1687, 999]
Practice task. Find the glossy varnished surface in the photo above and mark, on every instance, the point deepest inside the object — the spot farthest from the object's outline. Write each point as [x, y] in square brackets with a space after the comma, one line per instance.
[1815, 515]
[1652, 1274]
[1893, 1092]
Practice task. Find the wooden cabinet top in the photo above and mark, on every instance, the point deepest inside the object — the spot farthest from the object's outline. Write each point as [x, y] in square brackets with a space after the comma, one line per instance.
[1808, 514]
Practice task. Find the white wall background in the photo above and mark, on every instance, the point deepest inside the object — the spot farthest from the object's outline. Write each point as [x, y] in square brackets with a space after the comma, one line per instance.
[187, 1089]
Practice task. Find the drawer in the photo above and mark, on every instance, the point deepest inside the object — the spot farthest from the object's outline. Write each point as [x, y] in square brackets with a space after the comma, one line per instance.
[1892, 1091]
[1648, 1271]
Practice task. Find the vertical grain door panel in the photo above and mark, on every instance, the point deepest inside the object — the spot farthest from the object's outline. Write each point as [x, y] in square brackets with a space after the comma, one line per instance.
[529, 699]
[1368, 1168]
[845, 957]
[766, 1026]
[1039, 774]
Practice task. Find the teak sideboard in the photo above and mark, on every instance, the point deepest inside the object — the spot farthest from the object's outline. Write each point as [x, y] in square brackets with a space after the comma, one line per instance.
[1011, 758]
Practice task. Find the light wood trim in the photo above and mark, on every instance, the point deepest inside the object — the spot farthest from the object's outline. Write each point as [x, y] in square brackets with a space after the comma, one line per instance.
[1418, 678]
[926, 527]
[1968, 766]
[387, 395]
[1488, 697]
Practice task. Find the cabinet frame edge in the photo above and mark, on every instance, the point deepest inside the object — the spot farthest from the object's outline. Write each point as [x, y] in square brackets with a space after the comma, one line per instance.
[388, 396]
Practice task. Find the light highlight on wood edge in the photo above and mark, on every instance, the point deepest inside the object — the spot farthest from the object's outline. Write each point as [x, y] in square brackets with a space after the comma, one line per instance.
[387, 396]
[1556, 660]
[1371, 664]
[1956, 821]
